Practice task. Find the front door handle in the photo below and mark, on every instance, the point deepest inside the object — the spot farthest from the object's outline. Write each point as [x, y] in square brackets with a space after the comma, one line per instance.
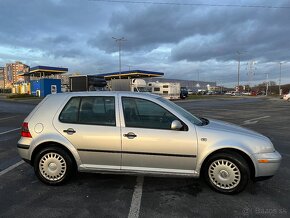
[69, 131]
[130, 135]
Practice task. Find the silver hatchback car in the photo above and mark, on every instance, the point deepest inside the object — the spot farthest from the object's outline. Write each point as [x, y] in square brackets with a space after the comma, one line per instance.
[125, 132]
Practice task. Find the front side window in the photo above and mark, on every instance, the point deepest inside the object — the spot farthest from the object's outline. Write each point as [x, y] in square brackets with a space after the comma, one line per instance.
[90, 110]
[142, 113]
[193, 119]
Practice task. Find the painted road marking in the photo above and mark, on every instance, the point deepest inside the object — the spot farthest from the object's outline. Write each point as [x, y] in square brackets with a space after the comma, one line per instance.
[12, 130]
[11, 168]
[136, 198]
[6, 118]
[254, 120]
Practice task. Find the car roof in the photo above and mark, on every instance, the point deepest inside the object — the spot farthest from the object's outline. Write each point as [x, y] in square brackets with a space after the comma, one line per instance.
[97, 93]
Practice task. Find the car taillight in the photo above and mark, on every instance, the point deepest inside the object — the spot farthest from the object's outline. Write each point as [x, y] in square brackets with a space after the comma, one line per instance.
[25, 131]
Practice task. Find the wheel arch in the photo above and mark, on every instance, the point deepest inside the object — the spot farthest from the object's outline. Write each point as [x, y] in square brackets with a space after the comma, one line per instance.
[231, 150]
[52, 144]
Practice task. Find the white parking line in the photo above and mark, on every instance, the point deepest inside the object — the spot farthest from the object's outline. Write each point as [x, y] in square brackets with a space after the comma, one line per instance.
[12, 130]
[11, 168]
[254, 120]
[136, 198]
[6, 118]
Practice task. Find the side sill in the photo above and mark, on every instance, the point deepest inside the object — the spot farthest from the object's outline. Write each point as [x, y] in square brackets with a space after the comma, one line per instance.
[262, 178]
[149, 172]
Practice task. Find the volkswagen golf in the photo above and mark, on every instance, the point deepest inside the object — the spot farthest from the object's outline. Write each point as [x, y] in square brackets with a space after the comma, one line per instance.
[139, 133]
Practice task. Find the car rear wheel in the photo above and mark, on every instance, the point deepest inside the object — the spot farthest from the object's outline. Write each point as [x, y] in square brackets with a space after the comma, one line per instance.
[53, 166]
[227, 173]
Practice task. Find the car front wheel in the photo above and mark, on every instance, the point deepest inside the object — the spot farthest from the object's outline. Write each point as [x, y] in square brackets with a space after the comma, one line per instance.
[53, 166]
[227, 173]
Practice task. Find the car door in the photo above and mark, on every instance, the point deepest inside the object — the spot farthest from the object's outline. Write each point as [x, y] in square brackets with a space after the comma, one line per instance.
[90, 124]
[149, 143]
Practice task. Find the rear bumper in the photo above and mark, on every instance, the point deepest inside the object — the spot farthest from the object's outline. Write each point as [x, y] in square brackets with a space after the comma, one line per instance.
[23, 151]
[267, 164]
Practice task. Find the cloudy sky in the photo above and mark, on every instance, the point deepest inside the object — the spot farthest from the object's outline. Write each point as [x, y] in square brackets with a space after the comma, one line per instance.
[181, 38]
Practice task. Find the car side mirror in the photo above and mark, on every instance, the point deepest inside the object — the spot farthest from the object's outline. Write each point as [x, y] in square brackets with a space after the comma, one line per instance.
[176, 125]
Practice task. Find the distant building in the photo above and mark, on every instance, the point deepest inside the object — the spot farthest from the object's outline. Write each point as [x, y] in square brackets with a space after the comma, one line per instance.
[190, 84]
[12, 73]
[2, 78]
[150, 76]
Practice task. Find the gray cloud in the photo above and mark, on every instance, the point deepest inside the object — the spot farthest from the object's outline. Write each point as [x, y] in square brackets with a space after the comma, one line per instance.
[177, 40]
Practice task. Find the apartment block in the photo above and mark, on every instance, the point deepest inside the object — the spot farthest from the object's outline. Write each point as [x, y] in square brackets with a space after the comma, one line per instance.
[12, 72]
[2, 78]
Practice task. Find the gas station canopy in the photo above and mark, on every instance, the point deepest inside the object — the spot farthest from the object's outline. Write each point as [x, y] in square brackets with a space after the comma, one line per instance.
[131, 74]
[44, 71]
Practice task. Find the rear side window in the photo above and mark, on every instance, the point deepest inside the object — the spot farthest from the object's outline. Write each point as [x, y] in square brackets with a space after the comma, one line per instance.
[90, 110]
[70, 112]
[98, 111]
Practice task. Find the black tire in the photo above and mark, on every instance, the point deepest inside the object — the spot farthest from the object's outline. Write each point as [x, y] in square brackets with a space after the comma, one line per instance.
[226, 172]
[55, 162]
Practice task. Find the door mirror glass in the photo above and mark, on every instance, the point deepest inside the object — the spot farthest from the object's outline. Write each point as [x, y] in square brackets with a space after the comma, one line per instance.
[176, 125]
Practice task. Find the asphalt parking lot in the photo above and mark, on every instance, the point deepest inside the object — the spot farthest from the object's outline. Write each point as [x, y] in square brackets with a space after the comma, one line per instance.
[100, 195]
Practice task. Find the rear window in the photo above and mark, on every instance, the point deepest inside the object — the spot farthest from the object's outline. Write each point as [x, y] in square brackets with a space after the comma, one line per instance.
[95, 110]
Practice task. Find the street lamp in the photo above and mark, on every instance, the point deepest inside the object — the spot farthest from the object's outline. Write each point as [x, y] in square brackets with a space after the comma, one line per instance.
[239, 65]
[280, 79]
[280, 63]
[267, 83]
[129, 67]
[119, 42]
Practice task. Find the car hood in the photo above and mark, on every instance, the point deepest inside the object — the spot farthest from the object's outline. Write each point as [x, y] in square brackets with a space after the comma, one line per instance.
[232, 128]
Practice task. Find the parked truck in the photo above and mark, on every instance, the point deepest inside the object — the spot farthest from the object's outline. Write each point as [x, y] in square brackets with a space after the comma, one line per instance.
[133, 85]
[166, 90]
[86, 83]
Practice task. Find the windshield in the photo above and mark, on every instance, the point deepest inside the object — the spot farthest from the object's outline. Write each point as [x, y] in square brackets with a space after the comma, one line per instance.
[190, 117]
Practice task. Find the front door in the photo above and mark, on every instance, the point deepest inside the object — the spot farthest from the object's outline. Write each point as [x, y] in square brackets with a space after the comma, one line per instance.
[89, 123]
[149, 144]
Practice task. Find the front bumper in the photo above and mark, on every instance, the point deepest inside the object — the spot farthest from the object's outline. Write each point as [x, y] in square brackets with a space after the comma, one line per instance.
[267, 164]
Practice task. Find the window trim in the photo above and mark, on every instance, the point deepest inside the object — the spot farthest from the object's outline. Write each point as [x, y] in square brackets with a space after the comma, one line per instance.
[81, 123]
[185, 126]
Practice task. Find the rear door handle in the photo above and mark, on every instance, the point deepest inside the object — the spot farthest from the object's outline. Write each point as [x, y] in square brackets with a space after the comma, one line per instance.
[69, 131]
[130, 135]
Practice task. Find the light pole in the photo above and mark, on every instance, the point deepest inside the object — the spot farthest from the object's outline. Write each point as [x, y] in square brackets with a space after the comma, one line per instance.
[198, 85]
[129, 67]
[280, 93]
[239, 65]
[251, 72]
[267, 83]
[119, 42]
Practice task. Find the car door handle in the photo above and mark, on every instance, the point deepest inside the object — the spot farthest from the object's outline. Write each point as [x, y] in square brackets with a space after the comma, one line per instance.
[130, 135]
[69, 131]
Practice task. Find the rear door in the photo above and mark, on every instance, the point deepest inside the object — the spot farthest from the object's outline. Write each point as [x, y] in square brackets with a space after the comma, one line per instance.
[90, 123]
[149, 144]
